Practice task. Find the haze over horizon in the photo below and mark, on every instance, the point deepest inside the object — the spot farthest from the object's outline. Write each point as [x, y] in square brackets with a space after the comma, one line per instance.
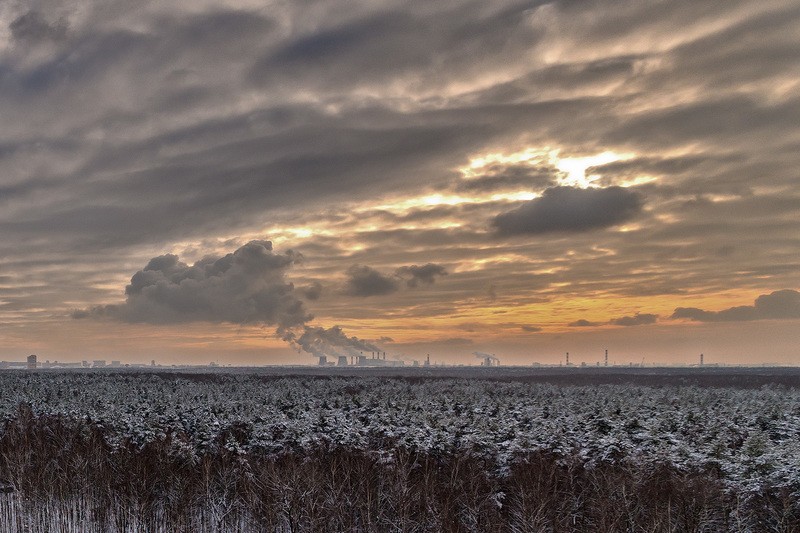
[253, 183]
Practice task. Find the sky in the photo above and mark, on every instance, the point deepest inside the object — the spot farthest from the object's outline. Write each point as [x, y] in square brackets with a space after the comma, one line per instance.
[260, 182]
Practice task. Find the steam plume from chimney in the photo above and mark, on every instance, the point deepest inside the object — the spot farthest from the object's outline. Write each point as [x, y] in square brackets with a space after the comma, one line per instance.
[319, 341]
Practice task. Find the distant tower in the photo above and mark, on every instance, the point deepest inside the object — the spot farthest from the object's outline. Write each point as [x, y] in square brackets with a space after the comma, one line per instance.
[428, 360]
[32, 362]
[606, 361]
[567, 359]
[701, 359]
[323, 360]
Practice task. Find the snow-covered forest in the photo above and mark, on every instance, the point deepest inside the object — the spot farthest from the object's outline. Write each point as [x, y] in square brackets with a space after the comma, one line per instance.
[225, 451]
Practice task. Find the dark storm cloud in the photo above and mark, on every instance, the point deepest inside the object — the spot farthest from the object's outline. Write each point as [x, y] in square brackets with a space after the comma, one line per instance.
[313, 291]
[243, 287]
[414, 275]
[714, 121]
[783, 304]
[570, 209]
[157, 201]
[636, 320]
[222, 31]
[268, 157]
[365, 281]
[32, 26]
[386, 44]
[743, 46]
[87, 57]
[365, 45]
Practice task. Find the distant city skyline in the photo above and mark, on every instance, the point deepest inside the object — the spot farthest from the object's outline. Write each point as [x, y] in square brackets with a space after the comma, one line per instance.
[259, 184]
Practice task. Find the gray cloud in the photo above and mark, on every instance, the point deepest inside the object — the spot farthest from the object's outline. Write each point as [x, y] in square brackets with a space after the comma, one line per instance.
[497, 177]
[363, 45]
[313, 291]
[365, 281]
[414, 275]
[389, 43]
[530, 329]
[247, 286]
[570, 209]
[636, 320]
[782, 304]
[716, 121]
[583, 323]
[32, 26]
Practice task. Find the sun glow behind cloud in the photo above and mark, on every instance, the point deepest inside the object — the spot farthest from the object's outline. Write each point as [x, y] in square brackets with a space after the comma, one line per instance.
[479, 164]
[575, 167]
[569, 171]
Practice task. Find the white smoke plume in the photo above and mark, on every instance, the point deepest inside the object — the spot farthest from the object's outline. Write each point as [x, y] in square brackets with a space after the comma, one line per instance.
[332, 341]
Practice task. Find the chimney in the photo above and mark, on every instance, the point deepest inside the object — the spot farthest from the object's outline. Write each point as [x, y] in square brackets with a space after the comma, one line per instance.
[567, 358]
[606, 363]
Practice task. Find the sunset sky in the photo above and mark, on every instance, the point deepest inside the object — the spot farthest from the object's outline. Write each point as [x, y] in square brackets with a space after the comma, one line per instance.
[195, 181]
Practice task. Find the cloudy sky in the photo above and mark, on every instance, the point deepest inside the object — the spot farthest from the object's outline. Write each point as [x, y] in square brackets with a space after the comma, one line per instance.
[236, 181]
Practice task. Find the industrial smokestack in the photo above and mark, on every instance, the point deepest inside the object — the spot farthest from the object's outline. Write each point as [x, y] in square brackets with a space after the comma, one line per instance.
[323, 361]
[701, 359]
[567, 358]
[606, 362]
